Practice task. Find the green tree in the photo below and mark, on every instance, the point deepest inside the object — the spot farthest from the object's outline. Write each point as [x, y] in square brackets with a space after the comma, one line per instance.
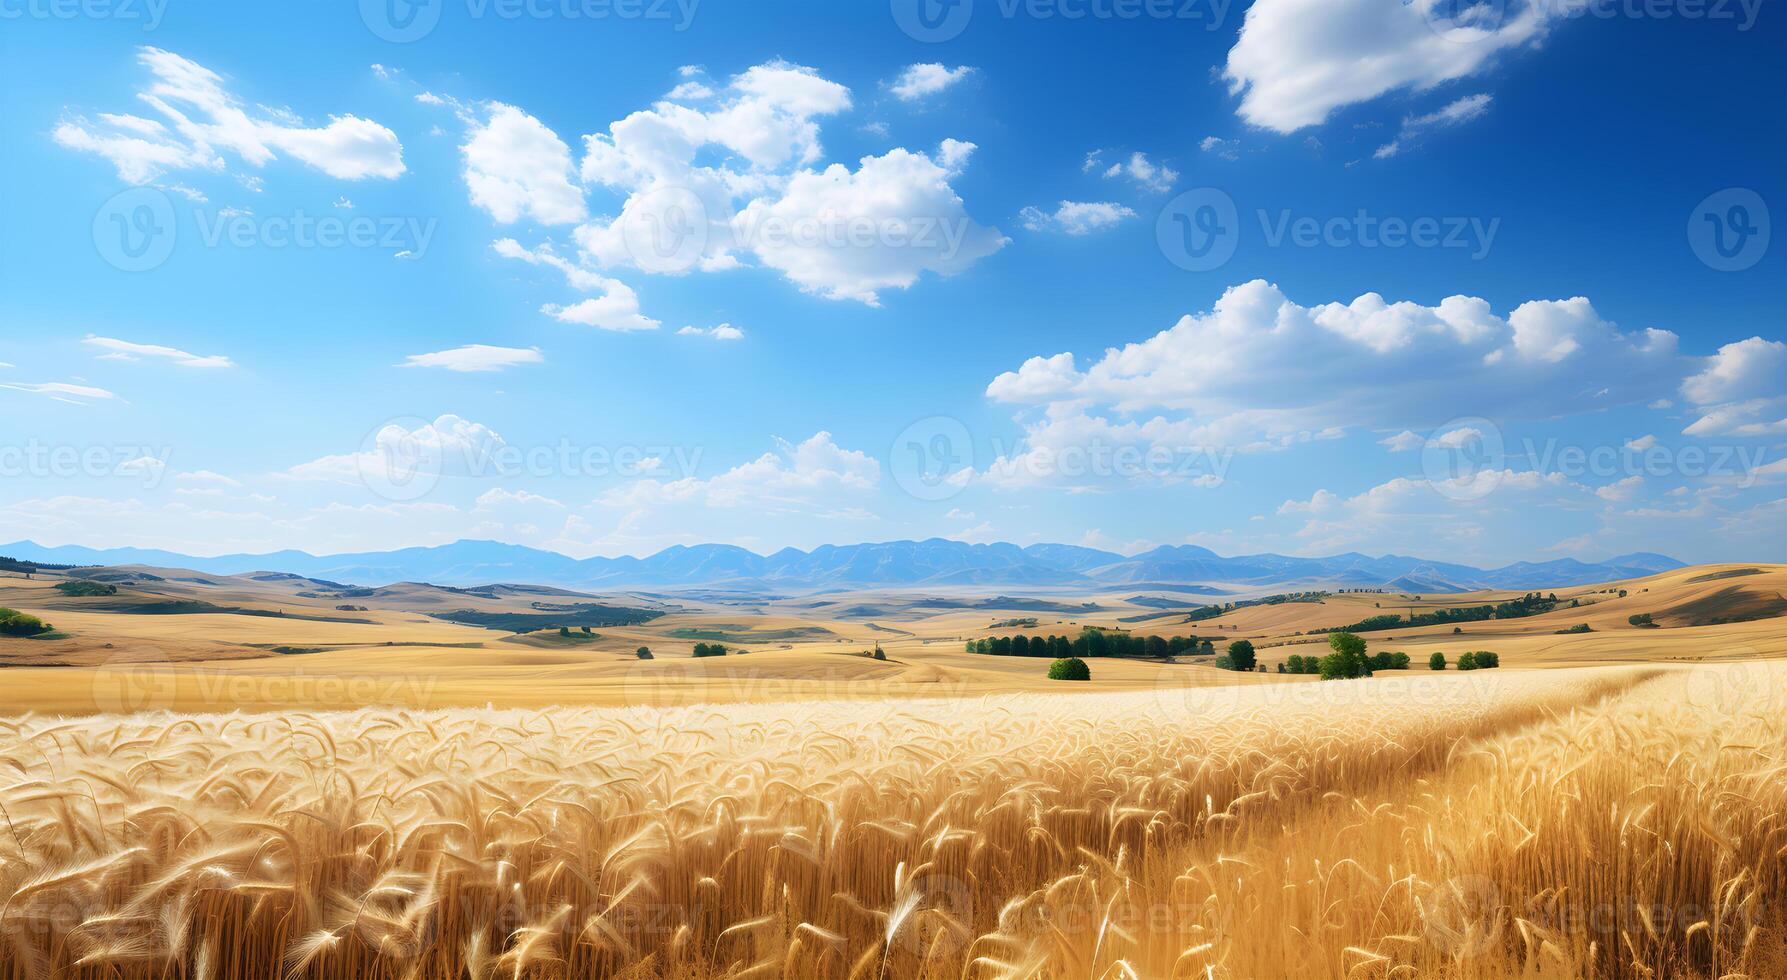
[1206, 649]
[1467, 661]
[1070, 669]
[564, 631]
[643, 653]
[1347, 660]
[1437, 661]
[1241, 655]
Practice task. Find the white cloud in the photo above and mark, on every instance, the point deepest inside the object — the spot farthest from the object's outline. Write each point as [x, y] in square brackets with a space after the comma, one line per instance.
[709, 188]
[476, 358]
[1621, 490]
[1141, 171]
[1640, 444]
[1076, 217]
[67, 393]
[616, 309]
[795, 475]
[918, 81]
[206, 478]
[909, 218]
[1454, 113]
[201, 120]
[148, 467]
[1741, 390]
[1752, 368]
[1261, 371]
[123, 350]
[1297, 61]
[1219, 147]
[724, 331]
[515, 167]
[1403, 442]
[448, 445]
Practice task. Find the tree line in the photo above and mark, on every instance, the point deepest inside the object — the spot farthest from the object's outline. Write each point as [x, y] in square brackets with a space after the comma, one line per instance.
[1092, 642]
[1531, 604]
[1347, 659]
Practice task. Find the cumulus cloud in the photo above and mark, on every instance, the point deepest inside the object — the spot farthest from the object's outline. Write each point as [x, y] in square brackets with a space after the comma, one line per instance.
[1740, 390]
[919, 81]
[200, 121]
[1137, 169]
[123, 350]
[1296, 61]
[851, 234]
[1075, 217]
[1260, 372]
[515, 167]
[713, 178]
[448, 445]
[476, 358]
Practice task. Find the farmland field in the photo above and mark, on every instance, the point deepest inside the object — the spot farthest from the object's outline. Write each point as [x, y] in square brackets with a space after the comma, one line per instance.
[230, 795]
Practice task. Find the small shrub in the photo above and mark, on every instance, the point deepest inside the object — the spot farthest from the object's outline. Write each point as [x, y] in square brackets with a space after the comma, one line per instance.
[15, 623]
[1437, 661]
[1640, 619]
[1578, 628]
[643, 653]
[1070, 669]
[1467, 661]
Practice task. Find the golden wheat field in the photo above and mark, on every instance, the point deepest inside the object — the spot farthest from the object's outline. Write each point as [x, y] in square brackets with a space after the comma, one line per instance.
[1622, 821]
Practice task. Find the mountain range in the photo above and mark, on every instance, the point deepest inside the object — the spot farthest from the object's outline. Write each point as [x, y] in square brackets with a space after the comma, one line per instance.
[932, 562]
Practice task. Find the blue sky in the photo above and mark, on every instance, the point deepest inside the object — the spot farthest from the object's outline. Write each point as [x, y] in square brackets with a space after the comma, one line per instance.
[1376, 276]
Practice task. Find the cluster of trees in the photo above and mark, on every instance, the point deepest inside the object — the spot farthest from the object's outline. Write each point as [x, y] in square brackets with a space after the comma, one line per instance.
[1070, 669]
[1213, 611]
[710, 649]
[1578, 628]
[83, 589]
[1641, 619]
[1382, 660]
[566, 630]
[1346, 659]
[15, 623]
[1092, 642]
[1479, 660]
[1531, 604]
[643, 653]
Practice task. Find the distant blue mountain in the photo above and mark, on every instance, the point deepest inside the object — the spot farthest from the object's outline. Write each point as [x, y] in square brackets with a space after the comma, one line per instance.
[933, 562]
